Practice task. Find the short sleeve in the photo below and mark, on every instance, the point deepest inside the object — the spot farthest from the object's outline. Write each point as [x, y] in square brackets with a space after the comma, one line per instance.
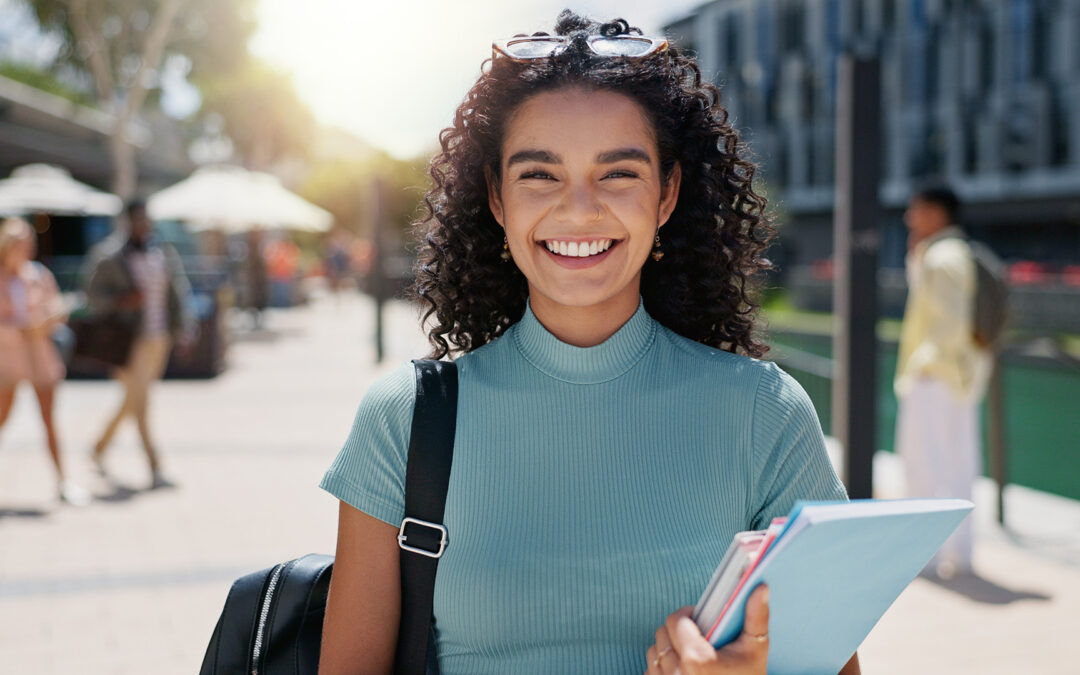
[790, 462]
[369, 471]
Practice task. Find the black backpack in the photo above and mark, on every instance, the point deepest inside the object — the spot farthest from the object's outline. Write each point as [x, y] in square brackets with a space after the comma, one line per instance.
[991, 310]
[990, 306]
[272, 620]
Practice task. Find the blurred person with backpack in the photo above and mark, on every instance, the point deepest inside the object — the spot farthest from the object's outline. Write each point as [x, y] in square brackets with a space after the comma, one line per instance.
[954, 314]
[141, 282]
[30, 308]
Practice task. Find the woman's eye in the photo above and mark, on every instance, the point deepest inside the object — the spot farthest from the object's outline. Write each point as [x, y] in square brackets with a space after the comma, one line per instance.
[536, 173]
[621, 173]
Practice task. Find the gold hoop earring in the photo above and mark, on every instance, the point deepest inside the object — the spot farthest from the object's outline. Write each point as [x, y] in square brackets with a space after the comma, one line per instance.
[657, 252]
[505, 255]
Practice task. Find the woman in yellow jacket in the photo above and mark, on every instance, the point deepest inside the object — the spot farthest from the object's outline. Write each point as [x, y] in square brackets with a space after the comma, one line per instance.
[30, 307]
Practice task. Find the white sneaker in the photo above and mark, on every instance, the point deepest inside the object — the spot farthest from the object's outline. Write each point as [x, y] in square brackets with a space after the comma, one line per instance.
[159, 481]
[74, 494]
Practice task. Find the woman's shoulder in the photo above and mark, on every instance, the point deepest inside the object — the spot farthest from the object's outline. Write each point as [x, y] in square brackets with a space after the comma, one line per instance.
[694, 356]
[392, 391]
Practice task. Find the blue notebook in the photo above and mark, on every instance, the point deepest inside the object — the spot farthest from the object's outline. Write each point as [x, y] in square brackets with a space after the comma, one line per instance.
[834, 570]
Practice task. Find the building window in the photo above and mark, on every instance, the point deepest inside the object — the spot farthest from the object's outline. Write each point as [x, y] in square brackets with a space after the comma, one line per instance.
[793, 27]
[1020, 39]
[888, 17]
[731, 41]
[987, 51]
[932, 62]
[1059, 128]
[1041, 42]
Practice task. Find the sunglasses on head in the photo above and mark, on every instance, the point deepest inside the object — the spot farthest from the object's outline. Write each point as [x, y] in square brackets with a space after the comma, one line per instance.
[523, 49]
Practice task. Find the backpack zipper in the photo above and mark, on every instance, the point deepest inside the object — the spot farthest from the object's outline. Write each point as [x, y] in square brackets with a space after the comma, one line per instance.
[264, 613]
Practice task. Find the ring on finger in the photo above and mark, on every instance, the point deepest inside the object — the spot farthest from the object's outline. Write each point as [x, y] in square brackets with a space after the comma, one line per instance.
[660, 655]
[759, 638]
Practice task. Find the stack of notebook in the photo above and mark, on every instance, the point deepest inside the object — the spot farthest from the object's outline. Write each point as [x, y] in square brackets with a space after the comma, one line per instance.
[833, 568]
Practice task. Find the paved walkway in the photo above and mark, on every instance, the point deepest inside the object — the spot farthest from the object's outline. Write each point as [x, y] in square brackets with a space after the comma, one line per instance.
[134, 582]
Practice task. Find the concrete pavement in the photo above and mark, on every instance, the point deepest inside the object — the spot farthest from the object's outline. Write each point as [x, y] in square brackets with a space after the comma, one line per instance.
[134, 582]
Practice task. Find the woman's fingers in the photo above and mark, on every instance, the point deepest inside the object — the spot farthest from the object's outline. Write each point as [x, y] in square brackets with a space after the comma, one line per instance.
[686, 638]
[681, 648]
[752, 646]
[661, 657]
[756, 624]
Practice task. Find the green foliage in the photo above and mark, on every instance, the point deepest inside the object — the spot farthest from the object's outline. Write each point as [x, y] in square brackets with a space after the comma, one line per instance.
[348, 188]
[263, 115]
[44, 81]
[211, 35]
[208, 38]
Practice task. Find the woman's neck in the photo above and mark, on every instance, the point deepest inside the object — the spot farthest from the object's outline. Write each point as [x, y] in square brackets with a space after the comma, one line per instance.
[583, 326]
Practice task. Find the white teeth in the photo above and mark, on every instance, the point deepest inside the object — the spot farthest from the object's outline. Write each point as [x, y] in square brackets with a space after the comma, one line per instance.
[574, 249]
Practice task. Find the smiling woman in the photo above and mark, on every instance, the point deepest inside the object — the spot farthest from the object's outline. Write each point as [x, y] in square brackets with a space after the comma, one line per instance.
[589, 257]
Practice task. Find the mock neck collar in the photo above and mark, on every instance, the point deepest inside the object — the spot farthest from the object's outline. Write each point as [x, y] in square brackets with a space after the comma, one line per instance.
[584, 365]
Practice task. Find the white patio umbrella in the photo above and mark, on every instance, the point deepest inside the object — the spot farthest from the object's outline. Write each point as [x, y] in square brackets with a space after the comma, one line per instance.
[234, 199]
[43, 188]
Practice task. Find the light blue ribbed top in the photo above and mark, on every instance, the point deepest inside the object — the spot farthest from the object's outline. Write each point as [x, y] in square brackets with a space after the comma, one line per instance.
[593, 491]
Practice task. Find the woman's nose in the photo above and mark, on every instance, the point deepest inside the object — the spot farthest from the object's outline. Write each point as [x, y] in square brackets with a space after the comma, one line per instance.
[580, 206]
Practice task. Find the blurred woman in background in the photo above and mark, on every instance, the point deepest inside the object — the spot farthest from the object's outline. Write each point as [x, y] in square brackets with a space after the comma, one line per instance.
[30, 308]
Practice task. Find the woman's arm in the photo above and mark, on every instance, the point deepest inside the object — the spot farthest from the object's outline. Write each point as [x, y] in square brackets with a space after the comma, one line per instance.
[364, 605]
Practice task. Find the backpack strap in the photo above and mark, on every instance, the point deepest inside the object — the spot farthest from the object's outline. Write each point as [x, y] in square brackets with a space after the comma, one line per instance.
[422, 536]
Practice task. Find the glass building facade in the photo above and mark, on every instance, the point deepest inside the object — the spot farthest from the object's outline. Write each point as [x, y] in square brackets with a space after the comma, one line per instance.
[981, 94]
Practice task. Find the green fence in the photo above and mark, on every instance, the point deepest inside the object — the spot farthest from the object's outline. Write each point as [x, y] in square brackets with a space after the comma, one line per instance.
[1041, 401]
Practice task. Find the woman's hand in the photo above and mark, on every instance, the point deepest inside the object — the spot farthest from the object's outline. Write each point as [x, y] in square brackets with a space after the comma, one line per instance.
[681, 648]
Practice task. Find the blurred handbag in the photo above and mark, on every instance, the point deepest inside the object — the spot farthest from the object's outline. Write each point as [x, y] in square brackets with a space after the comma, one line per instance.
[63, 338]
[103, 339]
[272, 620]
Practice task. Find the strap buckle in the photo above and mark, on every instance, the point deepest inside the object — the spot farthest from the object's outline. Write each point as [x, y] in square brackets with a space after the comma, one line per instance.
[443, 537]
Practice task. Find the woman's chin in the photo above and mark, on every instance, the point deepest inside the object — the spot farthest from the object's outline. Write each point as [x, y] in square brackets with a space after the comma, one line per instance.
[583, 295]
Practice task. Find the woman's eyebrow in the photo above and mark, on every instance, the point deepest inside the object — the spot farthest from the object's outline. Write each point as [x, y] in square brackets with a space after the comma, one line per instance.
[542, 156]
[623, 154]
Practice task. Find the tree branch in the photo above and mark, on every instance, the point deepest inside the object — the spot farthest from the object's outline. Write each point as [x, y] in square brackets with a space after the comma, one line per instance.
[97, 56]
[151, 56]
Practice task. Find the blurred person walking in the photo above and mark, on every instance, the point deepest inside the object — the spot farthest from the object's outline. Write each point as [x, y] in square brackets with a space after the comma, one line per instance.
[336, 263]
[282, 262]
[942, 371]
[134, 278]
[30, 308]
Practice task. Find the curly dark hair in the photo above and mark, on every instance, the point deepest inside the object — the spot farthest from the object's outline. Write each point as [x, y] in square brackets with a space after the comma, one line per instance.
[714, 241]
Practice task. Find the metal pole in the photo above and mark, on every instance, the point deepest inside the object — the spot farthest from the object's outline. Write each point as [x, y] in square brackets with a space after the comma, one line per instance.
[378, 269]
[995, 411]
[856, 238]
